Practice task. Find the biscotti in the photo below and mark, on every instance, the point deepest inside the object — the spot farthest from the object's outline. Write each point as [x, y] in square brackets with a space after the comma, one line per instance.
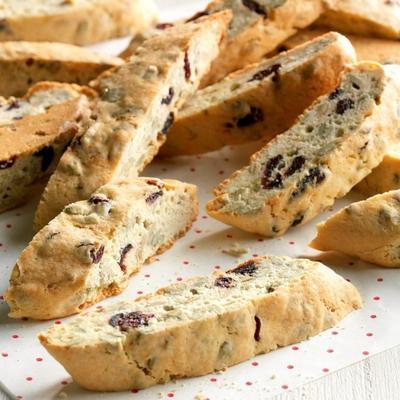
[202, 325]
[34, 132]
[331, 147]
[384, 51]
[368, 229]
[260, 101]
[379, 18]
[137, 107]
[22, 64]
[77, 22]
[89, 251]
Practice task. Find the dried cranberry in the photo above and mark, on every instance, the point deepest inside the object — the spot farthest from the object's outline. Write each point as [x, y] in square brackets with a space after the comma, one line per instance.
[267, 181]
[8, 163]
[275, 183]
[47, 154]
[257, 331]
[254, 6]
[247, 268]
[265, 73]
[168, 123]
[335, 94]
[254, 116]
[13, 105]
[197, 16]
[124, 251]
[151, 199]
[186, 66]
[224, 282]
[164, 25]
[154, 182]
[168, 99]
[344, 105]
[297, 164]
[298, 220]
[131, 320]
[96, 256]
[98, 200]
[314, 177]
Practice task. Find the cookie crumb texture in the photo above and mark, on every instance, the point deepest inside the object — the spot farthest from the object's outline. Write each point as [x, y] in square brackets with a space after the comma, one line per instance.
[196, 327]
[89, 251]
[368, 229]
[78, 22]
[137, 106]
[332, 147]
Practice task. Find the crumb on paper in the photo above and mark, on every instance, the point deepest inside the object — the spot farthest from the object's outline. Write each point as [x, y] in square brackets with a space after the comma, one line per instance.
[200, 396]
[62, 395]
[273, 376]
[236, 250]
[221, 371]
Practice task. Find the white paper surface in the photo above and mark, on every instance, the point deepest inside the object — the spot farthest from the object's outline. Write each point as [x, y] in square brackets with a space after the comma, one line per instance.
[28, 371]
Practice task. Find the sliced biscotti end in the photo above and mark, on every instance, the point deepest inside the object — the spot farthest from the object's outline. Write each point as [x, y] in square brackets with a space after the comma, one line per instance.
[89, 250]
[267, 302]
[22, 64]
[369, 229]
[138, 104]
[261, 100]
[331, 147]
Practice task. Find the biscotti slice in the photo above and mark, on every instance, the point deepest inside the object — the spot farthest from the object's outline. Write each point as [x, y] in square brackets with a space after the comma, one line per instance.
[34, 132]
[369, 229]
[331, 147]
[74, 21]
[379, 18]
[23, 64]
[384, 51]
[260, 101]
[202, 325]
[137, 107]
[89, 251]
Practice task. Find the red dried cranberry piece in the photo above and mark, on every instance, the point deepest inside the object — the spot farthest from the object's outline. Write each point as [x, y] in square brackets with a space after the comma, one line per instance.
[124, 251]
[186, 67]
[98, 200]
[168, 99]
[96, 256]
[335, 94]
[168, 123]
[131, 320]
[254, 6]
[224, 282]
[164, 25]
[344, 105]
[247, 268]
[267, 181]
[275, 183]
[8, 163]
[254, 116]
[14, 105]
[314, 177]
[197, 16]
[151, 199]
[47, 154]
[296, 165]
[257, 331]
[265, 73]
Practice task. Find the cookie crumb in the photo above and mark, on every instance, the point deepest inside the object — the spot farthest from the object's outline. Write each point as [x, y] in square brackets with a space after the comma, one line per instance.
[236, 250]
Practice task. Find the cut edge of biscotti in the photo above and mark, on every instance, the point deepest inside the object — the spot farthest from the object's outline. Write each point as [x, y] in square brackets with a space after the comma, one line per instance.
[301, 172]
[367, 229]
[199, 127]
[256, 307]
[89, 250]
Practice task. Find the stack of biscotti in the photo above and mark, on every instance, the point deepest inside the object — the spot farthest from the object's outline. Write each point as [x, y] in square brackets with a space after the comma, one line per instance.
[257, 28]
[34, 132]
[22, 64]
[259, 101]
[202, 325]
[74, 21]
[137, 106]
[384, 51]
[89, 250]
[332, 147]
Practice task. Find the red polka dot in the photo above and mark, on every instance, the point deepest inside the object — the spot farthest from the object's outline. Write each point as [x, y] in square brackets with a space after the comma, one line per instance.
[254, 363]
[28, 378]
[198, 231]
[295, 348]
[192, 169]
[351, 263]
[373, 316]
[147, 276]
[39, 359]
[1, 244]
[134, 391]
[64, 382]
[290, 366]
[292, 243]
[179, 279]
[204, 217]
[217, 267]
[255, 255]
[260, 240]
[4, 354]
[335, 333]
[376, 298]
[139, 292]
[348, 280]
[15, 336]
[379, 280]
[1, 297]
[170, 395]
[369, 334]
[186, 262]
[285, 387]
[229, 236]
[221, 172]
[8, 225]
[248, 383]
[192, 246]
[329, 351]
[365, 353]
[226, 159]
[213, 379]
[58, 322]
[325, 370]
